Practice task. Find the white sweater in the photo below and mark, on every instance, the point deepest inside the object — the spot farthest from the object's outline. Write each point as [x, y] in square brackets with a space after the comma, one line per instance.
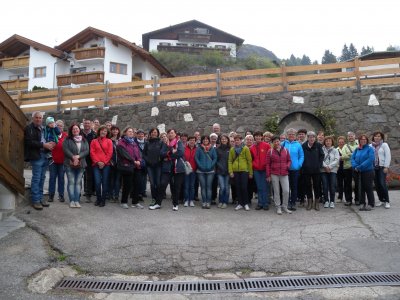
[384, 155]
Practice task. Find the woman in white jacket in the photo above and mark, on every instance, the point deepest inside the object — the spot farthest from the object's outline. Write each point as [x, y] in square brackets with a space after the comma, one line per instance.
[329, 169]
[381, 164]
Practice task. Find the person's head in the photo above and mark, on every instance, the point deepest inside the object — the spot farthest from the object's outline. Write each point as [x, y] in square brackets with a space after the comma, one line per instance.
[224, 139]
[102, 131]
[74, 130]
[191, 141]
[171, 133]
[320, 137]
[184, 137]
[311, 137]
[248, 132]
[87, 125]
[363, 140]
[232, 141]
[197, 135]
[128, 132]
[115, 132]
[108, 125]
[205, 140]
[140, 134]
[276, 141]
[291, 134]
[213, 138]
[60, 125]
[232, 134]
[249, 140]
[154, 133]
[96, 124]
[237, 140]
[302, 134]
[341, 140]
[50, 122]
[258, 135]
[351, 136]
[37, 118]
[267, 136]
[216, 128]
[163, 137]
[329, 141]
[282, 137]
[378, 136]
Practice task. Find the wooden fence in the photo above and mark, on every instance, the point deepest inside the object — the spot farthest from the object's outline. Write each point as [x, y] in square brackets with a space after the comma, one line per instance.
[356, 74]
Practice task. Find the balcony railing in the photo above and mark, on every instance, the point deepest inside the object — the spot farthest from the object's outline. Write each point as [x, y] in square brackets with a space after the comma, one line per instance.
[89, 53]
[15, 62]
[192, 50]
[81, 78]
[194, 37]
[16, 84]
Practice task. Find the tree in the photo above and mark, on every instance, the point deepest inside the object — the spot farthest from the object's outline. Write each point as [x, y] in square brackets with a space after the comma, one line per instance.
[393, 48]
[305, 60]
[353, 51]
[345, 54]
[367, 50]
[328, 58]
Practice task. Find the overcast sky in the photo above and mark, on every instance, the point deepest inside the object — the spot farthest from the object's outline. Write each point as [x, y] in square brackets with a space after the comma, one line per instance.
[282, 26]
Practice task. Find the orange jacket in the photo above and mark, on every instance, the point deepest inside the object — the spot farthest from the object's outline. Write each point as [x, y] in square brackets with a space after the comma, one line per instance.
[101, 153]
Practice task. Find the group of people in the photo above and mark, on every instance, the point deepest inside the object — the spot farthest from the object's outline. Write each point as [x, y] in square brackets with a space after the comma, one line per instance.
[296, 169]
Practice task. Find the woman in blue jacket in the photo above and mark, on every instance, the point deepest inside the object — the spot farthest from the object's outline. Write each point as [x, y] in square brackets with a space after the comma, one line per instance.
[362, 162]
[206, 158]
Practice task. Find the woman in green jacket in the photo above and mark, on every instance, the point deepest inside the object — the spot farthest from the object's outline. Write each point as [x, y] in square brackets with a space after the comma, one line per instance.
[240, 168]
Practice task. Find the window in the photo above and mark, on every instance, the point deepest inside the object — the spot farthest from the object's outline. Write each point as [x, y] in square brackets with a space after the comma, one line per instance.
[182, 44]
[118, 68]
[78, 70]
[40, 72]
[220, 47]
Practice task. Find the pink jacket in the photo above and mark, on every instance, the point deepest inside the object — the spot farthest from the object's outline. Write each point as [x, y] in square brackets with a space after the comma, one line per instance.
[278, 163]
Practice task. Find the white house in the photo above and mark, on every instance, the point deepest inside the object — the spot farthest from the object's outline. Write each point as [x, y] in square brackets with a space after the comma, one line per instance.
[192, 37]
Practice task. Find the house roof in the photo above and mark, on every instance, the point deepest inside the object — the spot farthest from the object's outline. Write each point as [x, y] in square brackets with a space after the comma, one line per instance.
[16, 44]
[90, 33]
[146, 36]
[378, 55]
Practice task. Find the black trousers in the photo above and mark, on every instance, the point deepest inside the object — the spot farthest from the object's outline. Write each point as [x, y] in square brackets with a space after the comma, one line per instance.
[241, 181]
[366, 180]
[127, 186]
[88, 181]
[312, 183]
[176, 186]
[348, 182]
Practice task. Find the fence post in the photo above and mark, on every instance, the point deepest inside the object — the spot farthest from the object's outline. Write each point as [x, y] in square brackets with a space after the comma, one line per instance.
[284, 77]
[155, 84]
[59, 95]
[357, 73]
[105, 105]
[218, 79]
[19, 98]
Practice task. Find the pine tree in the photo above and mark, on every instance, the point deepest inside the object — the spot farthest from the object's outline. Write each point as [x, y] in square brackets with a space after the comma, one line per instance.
[345, 54]
[367, 50]
[353, 51]
[393, 48]
[328, 58]
[305, 60]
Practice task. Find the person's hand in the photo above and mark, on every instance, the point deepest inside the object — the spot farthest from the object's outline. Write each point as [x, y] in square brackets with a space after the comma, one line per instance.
[269, 178]
[231, 175]
[100, 164]
[75, 157]
[385, 170]
[250, 176]
[174, 150]
[137, 164]
[49, 145]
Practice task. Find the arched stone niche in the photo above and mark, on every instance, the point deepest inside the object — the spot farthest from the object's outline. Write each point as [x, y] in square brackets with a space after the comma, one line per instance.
[301, 119]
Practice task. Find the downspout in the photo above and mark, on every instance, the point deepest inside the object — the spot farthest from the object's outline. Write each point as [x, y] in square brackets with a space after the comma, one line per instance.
[54, 75]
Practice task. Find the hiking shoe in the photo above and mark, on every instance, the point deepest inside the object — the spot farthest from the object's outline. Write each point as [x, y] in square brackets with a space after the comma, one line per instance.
[191, 204]
[88, 199]
[266, 207]
[45, 203]
[124, 205]
[204, 206]
[368, 208]
[363, 207]
[258, 207]
[286, 210]
[326, 204]
[175, 208]
[51, 198]
[208, 206]
[153, 202]
[72, 204]
[77, 205]
[246, 207]
[138, 205]
[61, 199]
[37, 206]
[292, 208]
[279, 211]
[219, 205]
[239, 207]
[387, 205]
[186, 204]
[332, 205]
[223, 206]
[380, 203]
[155, 206]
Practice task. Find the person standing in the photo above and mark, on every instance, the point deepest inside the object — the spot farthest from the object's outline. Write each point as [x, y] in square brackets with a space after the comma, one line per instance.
[115, 176]
[88, 180]
[75, 149]
[297, 158]
[362, 161]
[35, 147]
[190, 152]
[259, 160]
[277, 171]
[222, 171]
[141, 174]
[381, 164]
[240, 169]
[101, 150]
[329, 169]
[347, 152]
[57, 170]
[341, 140]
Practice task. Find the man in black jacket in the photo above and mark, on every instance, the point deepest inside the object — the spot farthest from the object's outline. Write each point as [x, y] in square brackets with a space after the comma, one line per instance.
[35, 147]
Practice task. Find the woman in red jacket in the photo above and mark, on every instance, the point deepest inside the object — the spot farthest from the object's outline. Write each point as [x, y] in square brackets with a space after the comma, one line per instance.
[190, 152]
[101, 150]
[278, 164]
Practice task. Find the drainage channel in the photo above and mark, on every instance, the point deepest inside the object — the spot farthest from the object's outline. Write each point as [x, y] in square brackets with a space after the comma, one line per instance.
[286, 283]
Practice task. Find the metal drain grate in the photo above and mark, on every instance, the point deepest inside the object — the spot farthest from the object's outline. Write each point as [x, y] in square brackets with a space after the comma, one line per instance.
[232, 286]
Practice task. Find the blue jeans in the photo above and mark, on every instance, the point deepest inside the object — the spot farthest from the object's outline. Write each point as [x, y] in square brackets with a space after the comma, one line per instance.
[262, 187]
[115, 182]
[380, 185]
[293, 183]
[154, 177]
[189, 186]
[329, 186]
[206, 180]
[39, 168]
[74, 177]
[223, 181]
[101, 182]
[56, 174]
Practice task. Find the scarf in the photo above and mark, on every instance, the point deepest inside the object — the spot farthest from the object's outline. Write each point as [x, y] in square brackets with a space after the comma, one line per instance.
[377, 146]
[173, 143]
[140, 143]
[238, 150]
[206, 148]
[77, 138]
[129, 140]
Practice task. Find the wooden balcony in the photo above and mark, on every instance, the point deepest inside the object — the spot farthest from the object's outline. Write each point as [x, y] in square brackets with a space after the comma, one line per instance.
[15, 85]
[192, 50]
[81, 78]
[89, 53]
[15, 62]
[194, 37]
